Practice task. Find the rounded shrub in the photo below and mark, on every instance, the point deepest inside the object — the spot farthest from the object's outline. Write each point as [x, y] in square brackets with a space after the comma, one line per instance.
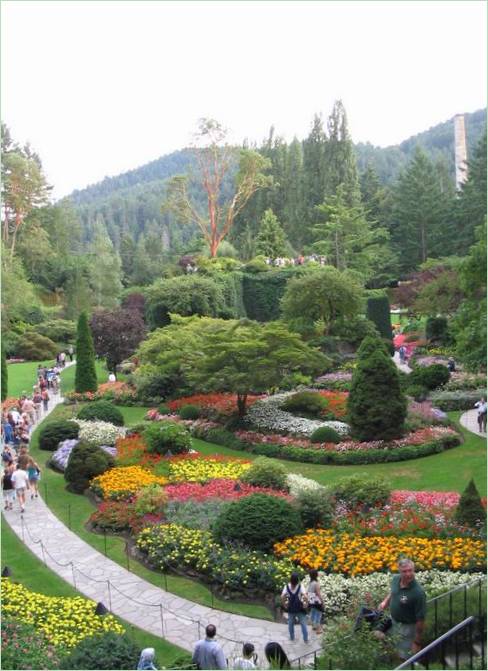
[86, 462]
[316, 508]
[55, 432]
[103, 411]
[189, 412]
[265, 472]
[163, 436]
[325, 434]
[418, 392]
[164, 409]
[35, 347]
[307, 402]
[103, 651]
[357, 490]
[257, 521]
[430, 377]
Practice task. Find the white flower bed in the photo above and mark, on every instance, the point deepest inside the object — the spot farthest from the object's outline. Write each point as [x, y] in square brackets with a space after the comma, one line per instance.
[99, 433]
[266, 414]
[299, 484]
[341, 594]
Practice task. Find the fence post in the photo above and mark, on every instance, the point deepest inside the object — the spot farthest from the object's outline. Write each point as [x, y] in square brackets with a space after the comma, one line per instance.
[74, 577]
[162, 619]
[109, 596]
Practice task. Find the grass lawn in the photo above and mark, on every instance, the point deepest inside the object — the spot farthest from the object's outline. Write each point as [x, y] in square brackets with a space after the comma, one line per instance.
[22, 376]
[68, 376]
[30, 571]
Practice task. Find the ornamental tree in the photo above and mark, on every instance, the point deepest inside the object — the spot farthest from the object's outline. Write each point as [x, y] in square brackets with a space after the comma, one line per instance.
[376, 404]
[116, 334]
[85, 375]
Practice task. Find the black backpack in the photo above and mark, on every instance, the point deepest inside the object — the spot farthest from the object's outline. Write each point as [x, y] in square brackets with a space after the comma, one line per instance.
[295, 604]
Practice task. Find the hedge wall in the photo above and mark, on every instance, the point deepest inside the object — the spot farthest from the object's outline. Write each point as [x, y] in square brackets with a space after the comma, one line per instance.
[262, 292]
[232, 291]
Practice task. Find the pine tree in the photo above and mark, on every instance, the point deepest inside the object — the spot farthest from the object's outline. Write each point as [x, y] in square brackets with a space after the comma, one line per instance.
[340, 157]
[470, 510]
[85, 375]
[105, 275]
[376, 405]
[4, 379]
[314, 170]
[471, 208]
[271, 240]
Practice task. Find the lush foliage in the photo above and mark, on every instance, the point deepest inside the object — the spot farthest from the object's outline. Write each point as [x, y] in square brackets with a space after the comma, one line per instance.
[378, 311]
[86, 462]
[266, 473]
[116, 334]
[430, 377]
[109, 650]
[316, 507]
[54, 432]
[85, 376]
[35, 347]
[357, 490]
[223, 404]
[23, 646]
[325, 434]
[470, 510]
[163, 437]
[103, 411]
[189, 412]
[305, 402]
[122, 482]
[256, 521]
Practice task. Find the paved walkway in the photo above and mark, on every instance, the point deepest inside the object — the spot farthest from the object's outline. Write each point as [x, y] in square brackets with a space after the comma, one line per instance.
[178, 620]
[404, 367]
[469, 420]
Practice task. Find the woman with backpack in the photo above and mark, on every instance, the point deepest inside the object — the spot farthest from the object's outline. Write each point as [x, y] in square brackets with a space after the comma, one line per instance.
[294, 601]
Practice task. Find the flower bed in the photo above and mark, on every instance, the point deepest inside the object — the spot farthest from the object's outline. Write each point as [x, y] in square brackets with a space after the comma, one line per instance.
[132, 451]
[174, 546]
[99, 433]
[64, 621]
[119, 392]
[122, 482]
[195, 468]
[224, 404]
[352, 554]
[61, 456]
[220, 488]
[445, 499]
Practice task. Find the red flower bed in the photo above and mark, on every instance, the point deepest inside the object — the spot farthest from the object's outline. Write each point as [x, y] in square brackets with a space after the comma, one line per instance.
[132, 451]
[337, 402]
[225, 404]
[217, 489]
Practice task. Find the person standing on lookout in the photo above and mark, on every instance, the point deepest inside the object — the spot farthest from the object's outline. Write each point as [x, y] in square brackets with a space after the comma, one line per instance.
[208, 654]
[408, 606]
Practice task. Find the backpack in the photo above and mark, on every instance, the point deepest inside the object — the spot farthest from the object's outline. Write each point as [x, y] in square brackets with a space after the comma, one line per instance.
[297, 601]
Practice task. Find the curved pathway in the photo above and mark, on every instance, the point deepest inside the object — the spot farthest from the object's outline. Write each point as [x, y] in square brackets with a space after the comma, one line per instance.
[469, 420]
[140, 603]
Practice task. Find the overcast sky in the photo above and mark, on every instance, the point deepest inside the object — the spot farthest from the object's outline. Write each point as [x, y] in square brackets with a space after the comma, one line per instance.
[99, 88]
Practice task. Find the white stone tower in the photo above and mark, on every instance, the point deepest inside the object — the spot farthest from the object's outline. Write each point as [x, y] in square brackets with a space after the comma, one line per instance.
[460, 154]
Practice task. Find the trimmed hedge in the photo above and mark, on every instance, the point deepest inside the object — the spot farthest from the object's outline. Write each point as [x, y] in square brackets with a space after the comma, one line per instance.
[103, 411]
[163, 436]
[86, 462]
[306, 455]
[325, 434]
[262, 293]
[53, 433]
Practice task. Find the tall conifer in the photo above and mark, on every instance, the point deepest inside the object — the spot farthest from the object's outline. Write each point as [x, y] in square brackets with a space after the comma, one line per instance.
[85, 376]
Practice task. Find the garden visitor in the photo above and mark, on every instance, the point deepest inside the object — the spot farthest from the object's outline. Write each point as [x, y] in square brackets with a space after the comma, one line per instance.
[451, 364]
[45, 399]
[248, 659]
[34, 473]
[402, 352]
[315, 601]
[407, 604]
[62, 359]
[23, 458]
[146, 660]
[15, 415]
[71, 351]
[207, 653]
[8, 432]
[112, 378]
[29, 411]
[20, 481]
[481, 405]
[37, 400]
[276, 656]
[8, 487]
[294, 601]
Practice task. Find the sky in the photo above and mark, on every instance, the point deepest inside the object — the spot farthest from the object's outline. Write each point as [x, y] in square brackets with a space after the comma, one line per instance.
[99, 88]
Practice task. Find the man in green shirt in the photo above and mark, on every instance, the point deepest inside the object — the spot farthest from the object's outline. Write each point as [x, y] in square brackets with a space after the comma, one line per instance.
[407, 607]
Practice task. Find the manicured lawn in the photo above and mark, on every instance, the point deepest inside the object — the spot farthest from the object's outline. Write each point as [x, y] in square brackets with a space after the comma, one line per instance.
[31, 572]
[22, 376]
[68, 376]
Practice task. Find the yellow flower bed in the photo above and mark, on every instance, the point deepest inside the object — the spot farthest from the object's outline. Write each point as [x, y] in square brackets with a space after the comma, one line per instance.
[64, 620]
[206, 468]
[121, 482]
[361, 555]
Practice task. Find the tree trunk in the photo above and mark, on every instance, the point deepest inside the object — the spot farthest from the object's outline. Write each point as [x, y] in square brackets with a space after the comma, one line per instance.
[241, 404]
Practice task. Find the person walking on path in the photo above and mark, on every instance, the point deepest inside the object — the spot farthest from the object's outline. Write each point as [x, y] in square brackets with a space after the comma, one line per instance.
[248, 659]
[207, 653]
[315, 601]
[20, 481]
[34, 473]
[71, 351]
[408, 607]
[45, 399]
[294, 602]
[482, 408]
[146, 660]
[7, 487]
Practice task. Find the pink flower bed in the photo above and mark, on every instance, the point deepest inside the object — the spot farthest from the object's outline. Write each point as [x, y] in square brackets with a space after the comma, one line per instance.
[217, 489]
[427, 499]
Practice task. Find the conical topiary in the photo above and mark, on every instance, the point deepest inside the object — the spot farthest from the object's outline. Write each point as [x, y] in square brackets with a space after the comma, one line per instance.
[4, 381]
[470, 511]
[85, 376]
[376, 405]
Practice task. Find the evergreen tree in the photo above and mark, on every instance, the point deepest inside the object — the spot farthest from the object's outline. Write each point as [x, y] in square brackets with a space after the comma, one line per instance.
[4, 379]
[77, 293]
[470, 510]
[378, 311]
[105, 274]
[340, 157]
[85, 375]
[294, 209]
[127, 253]
[471, 208]
[376, 405]
[314, 173]
[271, 240]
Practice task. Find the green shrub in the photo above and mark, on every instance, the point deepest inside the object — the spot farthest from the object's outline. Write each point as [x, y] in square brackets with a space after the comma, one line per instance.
[357, 490]
[151, 499]
[430, 377]
[35, 347]
[294, 380]
[103, 651]
[257, 521]
[417, 392]
[456, 400]
[86, 462]
[316, 508]
[103, 411]
[307, 402]
[164, 409]
[85, 374]
[194, 514]
[378, 311]
[325, 434]
[26, 647]
[436, 330]
[59, 330]
[163, 436]
[470, 510]
[376, 404]
[189, 412]
[266, 473]
[51, 434]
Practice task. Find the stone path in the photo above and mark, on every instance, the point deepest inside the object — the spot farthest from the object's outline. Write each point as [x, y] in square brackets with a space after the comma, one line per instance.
[469, 420]
[404, 367]
[140, 603]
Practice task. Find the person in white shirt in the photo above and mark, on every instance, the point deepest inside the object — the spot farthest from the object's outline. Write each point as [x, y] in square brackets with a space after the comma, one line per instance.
[248, 659]
[15, 415]
[482, 408]
[112, 378]
[20, 481]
